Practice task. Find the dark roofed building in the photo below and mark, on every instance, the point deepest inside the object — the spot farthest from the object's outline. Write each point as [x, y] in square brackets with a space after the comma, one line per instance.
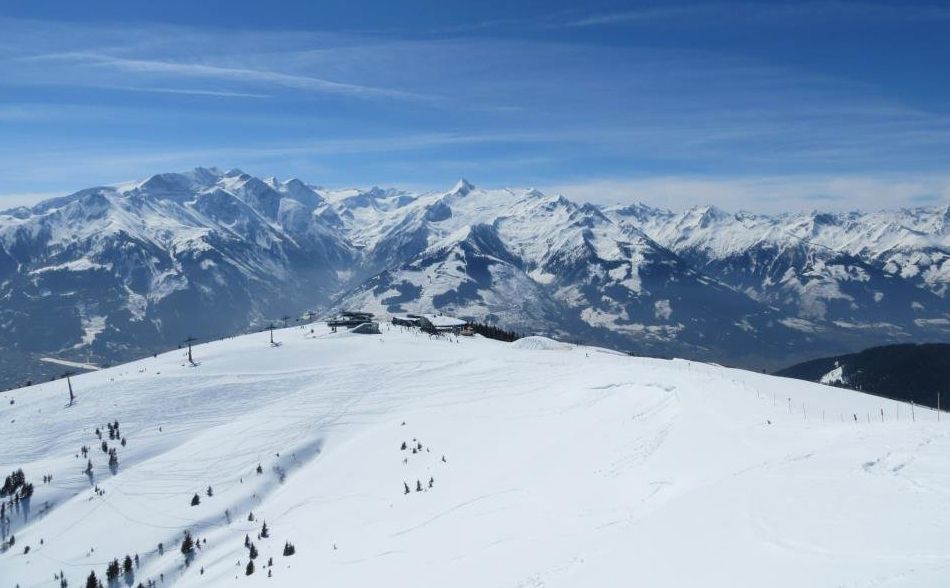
[440, 323]
[407, 320]
[349, 319]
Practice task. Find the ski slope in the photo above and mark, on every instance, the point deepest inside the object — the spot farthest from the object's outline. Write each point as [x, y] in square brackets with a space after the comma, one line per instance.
[564, 466]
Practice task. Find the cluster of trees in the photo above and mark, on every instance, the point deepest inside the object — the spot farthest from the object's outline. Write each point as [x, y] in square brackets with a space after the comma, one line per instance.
[493, 332]
[130, 563]
[416, 448]
[196, 500]
[907, 372]
[253, 553]
[15, 488]
[16, 483]
[114, 430]
[419, 487]
[113, 571]
[114, 433]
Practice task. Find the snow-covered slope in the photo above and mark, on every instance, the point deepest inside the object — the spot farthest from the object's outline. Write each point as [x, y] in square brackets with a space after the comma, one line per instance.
[563, 466]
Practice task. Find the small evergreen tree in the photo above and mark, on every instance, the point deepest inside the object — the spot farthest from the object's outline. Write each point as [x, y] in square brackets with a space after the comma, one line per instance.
[187, 544]
[112, 572]
[260, 470]
[195, 500]
[289, 549]
[264, 532]
[92, 581]
[127, 565]
[247, 541]
[209, 491]
[249, 569]
[253, 552]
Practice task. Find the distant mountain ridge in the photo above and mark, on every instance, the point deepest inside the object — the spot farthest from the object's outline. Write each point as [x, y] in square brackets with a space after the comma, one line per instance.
[908, 372]
[112, 272]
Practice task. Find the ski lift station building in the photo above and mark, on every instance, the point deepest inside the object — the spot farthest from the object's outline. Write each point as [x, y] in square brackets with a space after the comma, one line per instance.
[350, 319]
[440, 323]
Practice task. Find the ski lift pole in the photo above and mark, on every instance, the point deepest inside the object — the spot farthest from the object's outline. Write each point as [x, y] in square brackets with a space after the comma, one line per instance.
[72, 397]
[189, 341]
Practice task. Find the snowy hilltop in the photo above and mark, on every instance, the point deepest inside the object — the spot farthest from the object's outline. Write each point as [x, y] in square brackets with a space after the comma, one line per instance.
[112, 273]
[401, 459]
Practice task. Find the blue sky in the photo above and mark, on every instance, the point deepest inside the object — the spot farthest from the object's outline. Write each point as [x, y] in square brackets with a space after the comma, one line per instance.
[762, 106]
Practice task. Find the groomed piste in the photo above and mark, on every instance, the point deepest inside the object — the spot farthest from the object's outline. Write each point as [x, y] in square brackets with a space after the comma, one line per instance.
[401, 459]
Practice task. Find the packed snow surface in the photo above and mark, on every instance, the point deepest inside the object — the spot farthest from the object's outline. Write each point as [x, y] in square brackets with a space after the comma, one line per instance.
[538, 342]
[570, 468]
[72, 364]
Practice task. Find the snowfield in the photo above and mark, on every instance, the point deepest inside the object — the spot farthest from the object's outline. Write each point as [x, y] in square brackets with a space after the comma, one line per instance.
[563, 466]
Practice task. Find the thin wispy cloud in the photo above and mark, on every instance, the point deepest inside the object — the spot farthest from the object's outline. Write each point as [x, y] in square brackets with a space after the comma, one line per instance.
[184, 91]
[763, 12]
[215, 72]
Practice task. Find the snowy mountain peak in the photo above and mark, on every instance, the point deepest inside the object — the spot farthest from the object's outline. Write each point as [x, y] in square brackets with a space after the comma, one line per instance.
[206, 175]
[462, 188]
[707, 215]
[639, 211]
[534, 193]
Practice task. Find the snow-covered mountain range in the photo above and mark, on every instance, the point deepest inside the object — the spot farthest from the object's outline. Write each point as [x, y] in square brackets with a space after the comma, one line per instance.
[112, 272]
[402, 460]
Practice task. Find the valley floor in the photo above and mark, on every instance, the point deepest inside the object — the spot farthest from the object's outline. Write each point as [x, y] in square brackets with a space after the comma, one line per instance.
[563, 466]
